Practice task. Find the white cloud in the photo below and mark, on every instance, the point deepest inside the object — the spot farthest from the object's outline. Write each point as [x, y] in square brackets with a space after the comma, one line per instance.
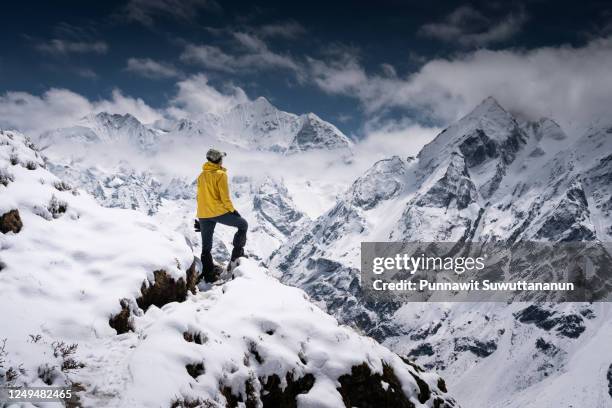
[385, 138]
[146, 11]
[196, 96]
[253, 54]
[210, 57]
[288, 29]
[149, 68]
[120, 103]
[569, 84]
[86, 73]
[61, 108]
[57, 108]
[469, 27]
[63, 47]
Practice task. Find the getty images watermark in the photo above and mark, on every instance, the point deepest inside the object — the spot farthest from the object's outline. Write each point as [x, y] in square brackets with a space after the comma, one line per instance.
[501, 272]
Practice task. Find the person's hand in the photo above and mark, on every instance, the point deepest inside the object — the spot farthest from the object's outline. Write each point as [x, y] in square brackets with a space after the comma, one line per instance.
[196, 226]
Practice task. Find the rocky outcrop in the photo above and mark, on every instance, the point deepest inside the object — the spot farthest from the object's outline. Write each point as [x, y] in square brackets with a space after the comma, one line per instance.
[454, 187]
[568, 325]
[163, 290]
[10, 222]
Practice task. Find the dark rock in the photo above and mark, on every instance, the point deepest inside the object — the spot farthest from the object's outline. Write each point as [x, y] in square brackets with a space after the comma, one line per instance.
[442, 385]
[423, 334]
[423, 349]
[455, 185]
[273, 395]
[10, 222]
[477, 148]
[547, 348]
[195, 370]
[364, 389]
[475, 346]
[121, 321]
[568, 325]
[165, 289]
[160, 292]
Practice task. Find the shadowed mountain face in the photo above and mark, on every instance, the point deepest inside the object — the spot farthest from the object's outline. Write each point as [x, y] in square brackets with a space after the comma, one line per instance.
[489, 177]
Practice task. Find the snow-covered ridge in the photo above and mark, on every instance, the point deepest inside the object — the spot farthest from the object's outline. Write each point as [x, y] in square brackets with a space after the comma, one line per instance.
[68, 265]
[253, 125]
[488, 177]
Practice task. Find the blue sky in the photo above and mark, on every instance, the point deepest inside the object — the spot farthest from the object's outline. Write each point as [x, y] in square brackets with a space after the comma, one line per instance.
[365, 66]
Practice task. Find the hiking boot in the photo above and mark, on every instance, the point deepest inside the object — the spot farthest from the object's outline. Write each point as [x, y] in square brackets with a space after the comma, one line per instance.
[236, 254]
[210, 270]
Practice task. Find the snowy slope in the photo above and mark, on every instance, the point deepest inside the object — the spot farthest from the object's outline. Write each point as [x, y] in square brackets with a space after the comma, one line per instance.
[488, 177]
[105, 300]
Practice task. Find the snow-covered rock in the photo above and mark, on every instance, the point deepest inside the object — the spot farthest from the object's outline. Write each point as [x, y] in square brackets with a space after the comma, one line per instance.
[257, 341]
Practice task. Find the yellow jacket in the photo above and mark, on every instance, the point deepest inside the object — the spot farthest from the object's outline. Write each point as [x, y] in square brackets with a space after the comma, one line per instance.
[213, 192]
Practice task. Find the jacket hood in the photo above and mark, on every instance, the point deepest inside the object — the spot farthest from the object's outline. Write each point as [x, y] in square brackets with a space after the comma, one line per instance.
[210, 166]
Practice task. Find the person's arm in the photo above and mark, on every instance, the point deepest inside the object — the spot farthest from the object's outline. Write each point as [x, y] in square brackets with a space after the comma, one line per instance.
[197, 195]
[224, 193]
[196, 223]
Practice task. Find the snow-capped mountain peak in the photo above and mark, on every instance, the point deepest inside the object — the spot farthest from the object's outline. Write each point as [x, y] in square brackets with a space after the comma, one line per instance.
[315, 133]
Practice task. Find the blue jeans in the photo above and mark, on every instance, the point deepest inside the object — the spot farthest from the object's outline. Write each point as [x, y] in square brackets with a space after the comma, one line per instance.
[207, 228]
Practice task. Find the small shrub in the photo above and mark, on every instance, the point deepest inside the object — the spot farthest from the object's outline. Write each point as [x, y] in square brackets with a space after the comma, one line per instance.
[11, 375]
[197, 338]
[62, 186]
[6, 177]
[48, 373]
[14, 159]
[31, 165]
[3, 353]
[192, 403]
[61, 349]
[65, 352]
[57, 207]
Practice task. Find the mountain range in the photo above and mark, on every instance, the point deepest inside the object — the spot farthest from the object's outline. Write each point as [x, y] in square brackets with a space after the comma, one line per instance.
[489, 177]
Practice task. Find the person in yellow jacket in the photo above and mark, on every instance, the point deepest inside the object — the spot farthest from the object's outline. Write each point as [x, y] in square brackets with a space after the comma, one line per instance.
[215, 206]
